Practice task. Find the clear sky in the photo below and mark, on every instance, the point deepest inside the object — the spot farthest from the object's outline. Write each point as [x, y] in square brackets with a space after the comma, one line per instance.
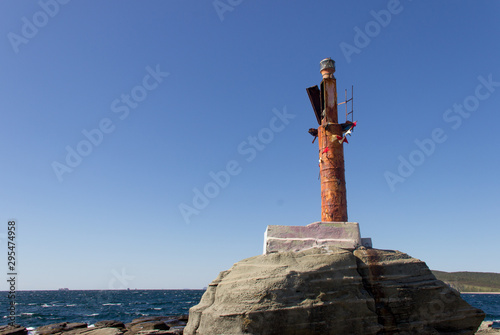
[116, 115]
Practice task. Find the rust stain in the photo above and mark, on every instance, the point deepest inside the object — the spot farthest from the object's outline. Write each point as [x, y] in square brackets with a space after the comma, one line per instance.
[375, 272]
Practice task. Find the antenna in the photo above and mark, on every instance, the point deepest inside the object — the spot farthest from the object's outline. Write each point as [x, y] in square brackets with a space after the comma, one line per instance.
[352, 105]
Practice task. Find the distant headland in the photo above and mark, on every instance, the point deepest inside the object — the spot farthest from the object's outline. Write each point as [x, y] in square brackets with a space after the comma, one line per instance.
[471, 282]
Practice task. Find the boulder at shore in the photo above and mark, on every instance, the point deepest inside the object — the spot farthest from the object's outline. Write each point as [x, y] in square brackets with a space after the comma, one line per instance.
[331, 291]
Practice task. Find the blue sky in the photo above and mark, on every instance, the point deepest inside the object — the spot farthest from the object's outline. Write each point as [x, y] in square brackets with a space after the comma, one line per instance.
[116, 113]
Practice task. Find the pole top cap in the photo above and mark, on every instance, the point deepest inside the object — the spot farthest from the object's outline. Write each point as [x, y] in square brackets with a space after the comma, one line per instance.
[327, 67]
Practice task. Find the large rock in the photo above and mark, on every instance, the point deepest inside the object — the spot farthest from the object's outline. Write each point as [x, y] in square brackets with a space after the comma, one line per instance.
[94, 331]
[489, 328]
[409, 299]
[331, 291]
[145, 327]
[59, 327]
[13, 330]
[144, 319]
[109, 324]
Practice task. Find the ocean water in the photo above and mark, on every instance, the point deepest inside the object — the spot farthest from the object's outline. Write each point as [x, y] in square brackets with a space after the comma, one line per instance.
[489, 303]
[38, 308]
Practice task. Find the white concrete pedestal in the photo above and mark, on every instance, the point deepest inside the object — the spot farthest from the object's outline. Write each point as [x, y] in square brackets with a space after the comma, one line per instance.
[344, 235]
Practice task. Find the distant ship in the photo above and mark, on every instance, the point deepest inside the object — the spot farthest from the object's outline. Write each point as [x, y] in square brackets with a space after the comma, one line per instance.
[64, 289]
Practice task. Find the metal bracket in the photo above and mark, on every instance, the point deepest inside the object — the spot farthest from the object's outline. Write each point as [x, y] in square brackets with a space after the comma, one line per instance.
[352, 105]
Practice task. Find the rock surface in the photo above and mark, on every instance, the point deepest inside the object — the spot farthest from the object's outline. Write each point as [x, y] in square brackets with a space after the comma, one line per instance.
[59, 327]
[154, 325]
[94, 331]
[489, 328]
[146, 326]
[109, 323]
[331, 291]
[13, 330]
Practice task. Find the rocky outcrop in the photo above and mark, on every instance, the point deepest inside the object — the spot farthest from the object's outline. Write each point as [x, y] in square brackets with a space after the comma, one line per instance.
[13, 330]
[154, 325]
[157, 325]
[94, 331]
[59, 327]
[141, 327]
[109, 324]
[331, 291]
[489, 328]
[409, 299]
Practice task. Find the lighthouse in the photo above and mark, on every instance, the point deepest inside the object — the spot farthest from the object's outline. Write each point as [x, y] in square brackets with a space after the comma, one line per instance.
[334, 228]
[331, 149]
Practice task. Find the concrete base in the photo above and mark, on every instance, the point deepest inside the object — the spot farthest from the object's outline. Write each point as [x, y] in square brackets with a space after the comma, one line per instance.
[366, 242]
[295, 238]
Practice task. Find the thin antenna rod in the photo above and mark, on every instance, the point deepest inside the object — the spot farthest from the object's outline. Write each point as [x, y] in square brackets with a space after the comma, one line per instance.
[352, 103]
[346, 104]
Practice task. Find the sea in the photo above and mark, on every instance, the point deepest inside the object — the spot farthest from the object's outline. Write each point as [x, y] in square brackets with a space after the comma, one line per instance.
[38, 308]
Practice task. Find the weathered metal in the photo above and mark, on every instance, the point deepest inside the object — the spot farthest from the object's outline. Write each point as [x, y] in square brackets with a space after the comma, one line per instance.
[351, 113]
[331, 156]
[327, 67]
[315, 98]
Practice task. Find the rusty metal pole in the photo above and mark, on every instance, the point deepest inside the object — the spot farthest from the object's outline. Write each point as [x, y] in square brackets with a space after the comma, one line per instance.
[331, 151]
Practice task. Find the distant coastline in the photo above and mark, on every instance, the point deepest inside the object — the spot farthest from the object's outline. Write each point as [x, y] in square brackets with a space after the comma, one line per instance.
[471, 282]
[479, 292]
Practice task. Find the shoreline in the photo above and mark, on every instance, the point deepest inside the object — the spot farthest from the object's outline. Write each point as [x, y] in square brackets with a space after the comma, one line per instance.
[479, 292]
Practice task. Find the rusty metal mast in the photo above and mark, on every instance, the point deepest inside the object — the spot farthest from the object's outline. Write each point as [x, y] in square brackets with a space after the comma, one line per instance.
[331, 149]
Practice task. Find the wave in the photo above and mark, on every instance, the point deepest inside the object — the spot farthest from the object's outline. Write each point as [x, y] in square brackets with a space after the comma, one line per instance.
[50, 307]
[21, 315]
[45, 305]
